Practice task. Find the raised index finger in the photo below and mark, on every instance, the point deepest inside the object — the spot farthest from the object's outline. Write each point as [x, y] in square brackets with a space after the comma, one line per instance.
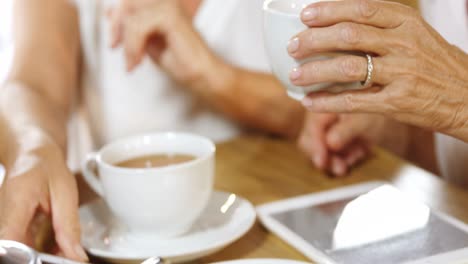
[375, 13]
[116, 16]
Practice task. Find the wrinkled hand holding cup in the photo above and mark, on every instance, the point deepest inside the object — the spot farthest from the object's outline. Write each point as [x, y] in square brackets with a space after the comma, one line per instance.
[161, 198]
[282, 21]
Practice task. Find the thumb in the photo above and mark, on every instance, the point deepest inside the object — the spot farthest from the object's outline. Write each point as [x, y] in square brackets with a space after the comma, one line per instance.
[64, 203]
[344, 132]
[312, 139]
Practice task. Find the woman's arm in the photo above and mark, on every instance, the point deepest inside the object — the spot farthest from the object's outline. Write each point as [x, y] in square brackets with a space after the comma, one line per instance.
[254, 99]
[46, 56]
[161, 29]
[35, 103]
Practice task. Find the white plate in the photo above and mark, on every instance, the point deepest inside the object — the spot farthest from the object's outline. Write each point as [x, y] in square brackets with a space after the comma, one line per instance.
[226, 218]
[262, 261]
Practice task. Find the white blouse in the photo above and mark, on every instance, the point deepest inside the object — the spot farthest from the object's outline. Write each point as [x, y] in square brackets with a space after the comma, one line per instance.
[118, 104]
[450, 18]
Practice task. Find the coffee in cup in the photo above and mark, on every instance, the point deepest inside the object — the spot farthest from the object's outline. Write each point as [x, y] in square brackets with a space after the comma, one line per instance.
[155, 161]
[282, 22]
[161, 200]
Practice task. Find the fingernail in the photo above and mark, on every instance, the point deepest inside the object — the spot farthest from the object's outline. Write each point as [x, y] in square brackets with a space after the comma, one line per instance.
[309, 13]
[307, 102]
[80, 252]
[295, 74]
[293, 45]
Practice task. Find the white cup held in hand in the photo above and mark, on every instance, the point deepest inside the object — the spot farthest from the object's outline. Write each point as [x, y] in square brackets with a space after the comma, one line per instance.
[281, 23]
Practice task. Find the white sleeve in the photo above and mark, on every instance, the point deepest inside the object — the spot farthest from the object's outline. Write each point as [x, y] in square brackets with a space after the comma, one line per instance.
[234, 30]
[252, 50]
[449, 18]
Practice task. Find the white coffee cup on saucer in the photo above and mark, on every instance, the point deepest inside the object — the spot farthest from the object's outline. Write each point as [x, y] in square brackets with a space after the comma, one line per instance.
[281, 23]
[159, 202]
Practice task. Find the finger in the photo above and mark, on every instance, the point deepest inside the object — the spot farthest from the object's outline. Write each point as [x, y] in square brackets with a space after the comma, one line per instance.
[345, 133]
[134, 43]
[64, 200]
[17, 212]
[314, 147]
[370, 100]
[356, 154]
[338, 166]
[117, 17]
[383, 14]
[318, 139]
[138, 29]
[340, 37]
[312, 140]
[341, 69]
[115, 21]
[318, 150]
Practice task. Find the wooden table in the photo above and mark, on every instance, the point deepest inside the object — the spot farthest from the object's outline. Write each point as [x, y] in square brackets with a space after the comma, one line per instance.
[412, 3]
[264, 170]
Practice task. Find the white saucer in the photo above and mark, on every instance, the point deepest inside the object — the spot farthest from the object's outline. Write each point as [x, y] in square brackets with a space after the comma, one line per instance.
[226, 218]
[262, 261]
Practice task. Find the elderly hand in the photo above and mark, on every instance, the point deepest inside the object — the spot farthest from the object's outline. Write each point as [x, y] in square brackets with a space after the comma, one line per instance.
[336, 143]
[418, 78]
[162, 29]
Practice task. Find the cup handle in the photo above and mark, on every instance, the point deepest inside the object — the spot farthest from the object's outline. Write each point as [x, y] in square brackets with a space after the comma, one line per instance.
[89, 167]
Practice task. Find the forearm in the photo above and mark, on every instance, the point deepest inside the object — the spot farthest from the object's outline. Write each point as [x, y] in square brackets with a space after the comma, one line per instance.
[30, 120]
[47, 49]
[254, 99]
[36, 97]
